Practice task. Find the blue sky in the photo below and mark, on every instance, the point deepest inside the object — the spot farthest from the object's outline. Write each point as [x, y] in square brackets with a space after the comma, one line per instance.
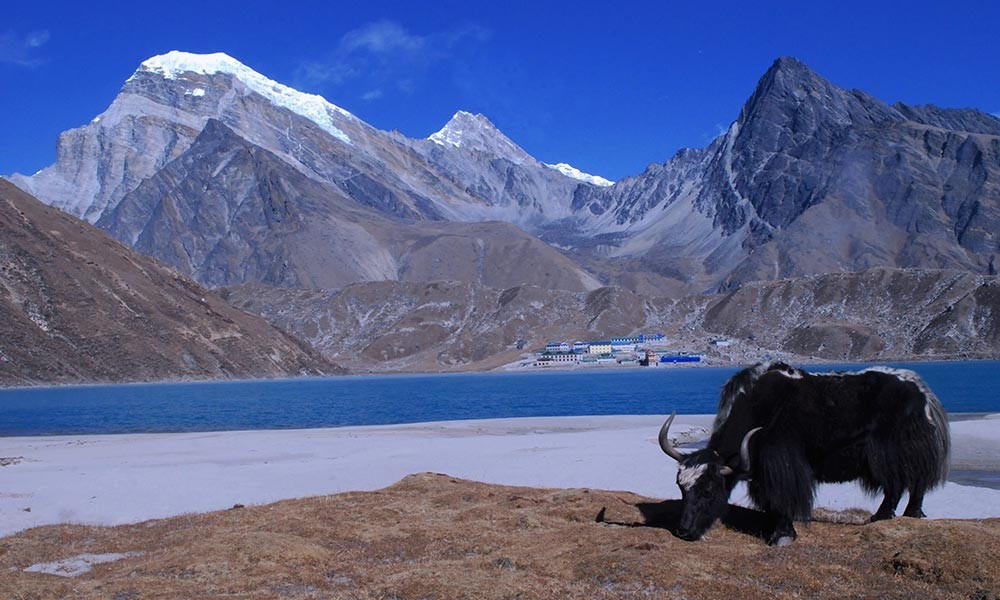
[606, 88]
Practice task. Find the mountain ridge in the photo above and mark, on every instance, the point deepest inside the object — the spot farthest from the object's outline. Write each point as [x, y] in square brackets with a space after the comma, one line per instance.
[233, 212]
[810, 178]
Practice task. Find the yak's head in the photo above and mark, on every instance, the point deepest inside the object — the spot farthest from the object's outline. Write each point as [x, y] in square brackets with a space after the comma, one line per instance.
[705, 481]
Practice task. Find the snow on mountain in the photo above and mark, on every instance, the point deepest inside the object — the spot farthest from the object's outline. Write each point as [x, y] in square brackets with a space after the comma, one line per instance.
[450, 134]
[571, 171]
[476, 133]
[311, 106]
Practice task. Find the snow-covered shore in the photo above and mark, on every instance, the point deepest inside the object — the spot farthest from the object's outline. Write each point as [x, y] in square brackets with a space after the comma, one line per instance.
[113, 479]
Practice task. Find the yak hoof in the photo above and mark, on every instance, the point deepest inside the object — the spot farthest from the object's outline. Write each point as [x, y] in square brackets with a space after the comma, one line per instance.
[782, 538]
[916, 514]
[880, 517]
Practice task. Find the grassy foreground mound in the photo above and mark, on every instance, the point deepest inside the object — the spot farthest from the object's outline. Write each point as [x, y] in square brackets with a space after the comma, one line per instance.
[433, 536]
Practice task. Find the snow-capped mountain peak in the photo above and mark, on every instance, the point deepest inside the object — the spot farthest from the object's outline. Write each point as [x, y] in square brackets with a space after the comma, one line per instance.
[174, 64]
[571, 171]
[475, 132]
[456, 127]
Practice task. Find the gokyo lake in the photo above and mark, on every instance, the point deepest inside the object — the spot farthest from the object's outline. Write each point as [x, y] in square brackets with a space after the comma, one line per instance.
[963, 387]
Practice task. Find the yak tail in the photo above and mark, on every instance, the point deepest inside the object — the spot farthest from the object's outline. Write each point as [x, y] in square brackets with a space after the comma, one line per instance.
[942, 432]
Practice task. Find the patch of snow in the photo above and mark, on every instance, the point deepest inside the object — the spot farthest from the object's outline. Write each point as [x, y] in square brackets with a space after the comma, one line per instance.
[448, 135]
[196, 92]
[77, 565]
[311, 106]
[476, 132]
[94, 120]
[571, 171]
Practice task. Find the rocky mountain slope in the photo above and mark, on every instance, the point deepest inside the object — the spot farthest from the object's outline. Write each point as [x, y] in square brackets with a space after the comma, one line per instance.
[78, 306]
[871, 315]
[434, 536]
[441, 326]
[231, 177]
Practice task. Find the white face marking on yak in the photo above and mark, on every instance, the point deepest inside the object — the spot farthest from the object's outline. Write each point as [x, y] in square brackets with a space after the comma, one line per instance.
[688, 476]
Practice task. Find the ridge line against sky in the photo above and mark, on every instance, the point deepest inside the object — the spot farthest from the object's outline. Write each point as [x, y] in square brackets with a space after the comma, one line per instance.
[607, 91]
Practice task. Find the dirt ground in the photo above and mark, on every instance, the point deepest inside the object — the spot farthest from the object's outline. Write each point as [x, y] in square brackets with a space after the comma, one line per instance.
[433, 536]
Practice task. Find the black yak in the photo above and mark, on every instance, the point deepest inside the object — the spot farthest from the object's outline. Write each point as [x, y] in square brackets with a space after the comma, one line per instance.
[785, 430]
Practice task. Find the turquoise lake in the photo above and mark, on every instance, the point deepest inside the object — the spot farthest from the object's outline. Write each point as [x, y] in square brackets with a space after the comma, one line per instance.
[376, 400]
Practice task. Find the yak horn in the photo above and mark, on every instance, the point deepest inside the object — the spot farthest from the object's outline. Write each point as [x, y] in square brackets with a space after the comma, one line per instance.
[665, 444]
[745, 449]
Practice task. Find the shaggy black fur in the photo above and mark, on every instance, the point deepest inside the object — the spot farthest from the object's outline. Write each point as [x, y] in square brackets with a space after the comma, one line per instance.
[883, 427]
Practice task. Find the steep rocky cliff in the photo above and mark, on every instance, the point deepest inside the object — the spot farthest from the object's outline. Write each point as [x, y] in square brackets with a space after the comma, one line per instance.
[812, 178]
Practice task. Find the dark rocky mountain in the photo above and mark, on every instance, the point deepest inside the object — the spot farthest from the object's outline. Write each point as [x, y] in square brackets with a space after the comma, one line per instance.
[78, 306]
[812, 178]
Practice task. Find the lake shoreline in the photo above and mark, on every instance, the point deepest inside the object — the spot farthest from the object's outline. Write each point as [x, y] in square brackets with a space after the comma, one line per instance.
[512, 367]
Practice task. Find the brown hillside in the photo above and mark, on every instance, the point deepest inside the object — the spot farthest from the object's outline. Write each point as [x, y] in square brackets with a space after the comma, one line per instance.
[432, 536]
[77, 306]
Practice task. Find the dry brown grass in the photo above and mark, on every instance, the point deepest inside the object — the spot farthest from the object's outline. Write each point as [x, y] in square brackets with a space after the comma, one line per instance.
[432, 536]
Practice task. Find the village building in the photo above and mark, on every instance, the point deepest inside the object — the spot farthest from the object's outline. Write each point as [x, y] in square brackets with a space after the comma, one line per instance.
[553, 347]
[603, 347]
[640, 349]
[622, 345]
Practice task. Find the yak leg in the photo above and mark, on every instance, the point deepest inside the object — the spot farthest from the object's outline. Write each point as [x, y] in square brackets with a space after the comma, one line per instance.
[782, 485]
[887, 509]
[915, 506]
[784, 532]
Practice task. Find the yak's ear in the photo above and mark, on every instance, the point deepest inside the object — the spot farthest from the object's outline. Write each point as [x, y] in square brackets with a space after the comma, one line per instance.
[735, 472]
